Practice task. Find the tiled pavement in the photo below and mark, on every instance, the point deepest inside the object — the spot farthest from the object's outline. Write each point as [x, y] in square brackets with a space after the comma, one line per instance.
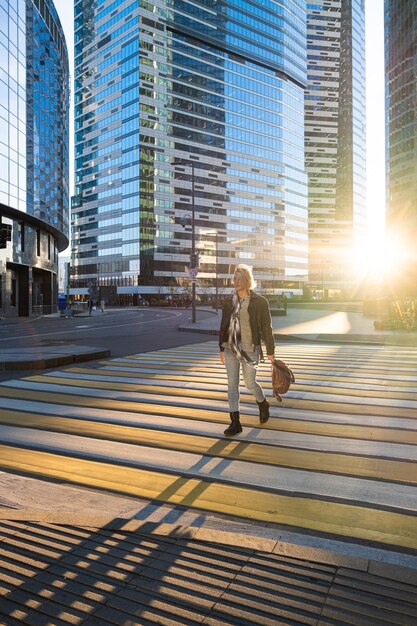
[116, 573]
[337, 458]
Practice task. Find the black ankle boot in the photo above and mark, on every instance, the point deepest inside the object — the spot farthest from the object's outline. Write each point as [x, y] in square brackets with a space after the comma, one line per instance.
[235, 427]
[263, 410]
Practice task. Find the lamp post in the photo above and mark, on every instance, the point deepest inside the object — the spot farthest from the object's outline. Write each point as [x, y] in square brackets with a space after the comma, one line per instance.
[98, 284]
[217, 270]
[216, 236]
[193, 263]
[193, 259]
[68, 273]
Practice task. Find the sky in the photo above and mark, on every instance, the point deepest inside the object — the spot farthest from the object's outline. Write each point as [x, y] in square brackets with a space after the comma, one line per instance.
[375, 115]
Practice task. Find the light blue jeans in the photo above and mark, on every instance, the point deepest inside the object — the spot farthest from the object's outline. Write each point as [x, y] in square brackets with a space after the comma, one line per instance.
[233, 366]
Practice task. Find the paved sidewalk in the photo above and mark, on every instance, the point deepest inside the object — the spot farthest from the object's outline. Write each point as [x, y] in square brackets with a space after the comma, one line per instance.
[319, 325]
[97, 571]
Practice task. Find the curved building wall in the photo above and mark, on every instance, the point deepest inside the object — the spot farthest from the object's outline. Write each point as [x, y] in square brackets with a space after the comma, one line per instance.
[164, 84]
[34, 107]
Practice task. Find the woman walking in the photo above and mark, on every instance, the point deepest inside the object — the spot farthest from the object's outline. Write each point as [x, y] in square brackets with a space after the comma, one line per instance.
[246, 320]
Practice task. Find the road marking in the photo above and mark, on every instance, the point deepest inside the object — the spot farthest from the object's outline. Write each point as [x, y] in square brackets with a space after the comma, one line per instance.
[336, 381]
[338, 456]
[339, 463]
[370, 524]
[216, 385]
[297, 400]
[185, 408]
[290, 438]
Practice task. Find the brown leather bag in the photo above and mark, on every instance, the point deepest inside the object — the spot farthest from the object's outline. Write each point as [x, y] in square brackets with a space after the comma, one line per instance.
[282, 378]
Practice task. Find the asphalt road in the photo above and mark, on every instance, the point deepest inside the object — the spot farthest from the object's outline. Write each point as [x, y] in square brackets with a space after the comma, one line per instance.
[123, 331]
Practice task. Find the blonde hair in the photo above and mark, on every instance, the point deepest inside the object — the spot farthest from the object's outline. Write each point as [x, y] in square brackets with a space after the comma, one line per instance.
[247, 275]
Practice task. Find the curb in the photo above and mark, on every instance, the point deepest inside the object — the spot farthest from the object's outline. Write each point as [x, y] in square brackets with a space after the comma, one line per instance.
[55, 361]
[203, 331]
[323, 339]
[399, 573]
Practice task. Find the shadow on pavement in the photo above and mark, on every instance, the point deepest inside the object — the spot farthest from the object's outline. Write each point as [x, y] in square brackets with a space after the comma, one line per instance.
[133, 572]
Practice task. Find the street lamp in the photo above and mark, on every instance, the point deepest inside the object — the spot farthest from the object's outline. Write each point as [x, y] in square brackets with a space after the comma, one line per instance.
[216, 235]
[193, 258]
[68, 275]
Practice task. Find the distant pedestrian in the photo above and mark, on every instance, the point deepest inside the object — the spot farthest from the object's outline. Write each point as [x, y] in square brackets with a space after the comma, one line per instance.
[90, 304]
[102, 305]
[246, 320]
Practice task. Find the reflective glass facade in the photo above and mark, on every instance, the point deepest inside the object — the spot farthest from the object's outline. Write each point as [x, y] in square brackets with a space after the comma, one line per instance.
[181, 107]
[34, 106]
[401, 128]
[335, 140]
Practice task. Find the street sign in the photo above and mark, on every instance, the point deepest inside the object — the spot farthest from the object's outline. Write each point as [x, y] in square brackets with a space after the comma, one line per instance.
[195, 260]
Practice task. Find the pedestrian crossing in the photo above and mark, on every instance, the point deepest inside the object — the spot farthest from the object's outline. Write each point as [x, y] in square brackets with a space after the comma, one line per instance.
[338, 456]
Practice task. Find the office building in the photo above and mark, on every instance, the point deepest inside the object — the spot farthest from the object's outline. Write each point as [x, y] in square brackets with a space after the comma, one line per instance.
[34, 101]
[63, 274]
[401, 137]
[335, 142]
[188, 110]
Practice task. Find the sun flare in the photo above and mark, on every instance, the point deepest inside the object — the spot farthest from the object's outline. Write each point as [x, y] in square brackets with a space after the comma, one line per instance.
[378, 258]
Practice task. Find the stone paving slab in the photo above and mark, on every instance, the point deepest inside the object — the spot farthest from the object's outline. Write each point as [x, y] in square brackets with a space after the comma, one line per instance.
[48, 356]
[98, 570]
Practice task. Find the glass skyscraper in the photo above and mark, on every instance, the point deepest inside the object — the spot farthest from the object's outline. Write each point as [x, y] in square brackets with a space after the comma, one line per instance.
[34, 105]
[401, 134]
[335, 141]
[188, 109]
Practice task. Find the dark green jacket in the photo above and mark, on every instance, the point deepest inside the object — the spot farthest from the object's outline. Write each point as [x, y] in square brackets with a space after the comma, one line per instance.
[259, 319]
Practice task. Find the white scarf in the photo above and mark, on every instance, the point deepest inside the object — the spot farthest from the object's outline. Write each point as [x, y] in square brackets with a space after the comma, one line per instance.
[235, 336]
